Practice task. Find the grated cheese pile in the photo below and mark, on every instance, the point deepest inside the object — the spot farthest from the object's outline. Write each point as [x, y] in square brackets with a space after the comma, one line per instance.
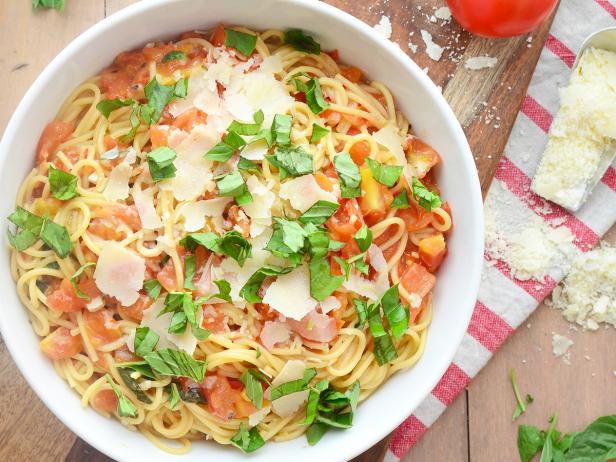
[584, 127]
[587, 296]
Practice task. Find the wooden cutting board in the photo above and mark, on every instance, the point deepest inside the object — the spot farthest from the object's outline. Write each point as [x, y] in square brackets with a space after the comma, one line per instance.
[486, 103]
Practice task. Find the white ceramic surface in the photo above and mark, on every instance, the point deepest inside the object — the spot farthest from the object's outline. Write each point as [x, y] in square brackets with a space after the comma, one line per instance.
[358, 44]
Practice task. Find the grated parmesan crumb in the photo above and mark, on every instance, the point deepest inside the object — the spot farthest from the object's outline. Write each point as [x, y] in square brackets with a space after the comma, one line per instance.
[412, 47]
[384, 27]
[443, 13]
[480, 62]
[433, 50]
[560, 346]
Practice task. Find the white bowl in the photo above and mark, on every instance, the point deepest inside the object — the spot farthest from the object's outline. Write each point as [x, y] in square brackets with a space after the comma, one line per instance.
[360, 45]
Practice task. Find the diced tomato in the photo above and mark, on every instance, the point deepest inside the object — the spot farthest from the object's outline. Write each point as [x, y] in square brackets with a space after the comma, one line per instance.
[124, 355]
[266, 311]
[219, 36]
[332, 118]
[346, 221]
[223, 400]
[335, 54]
[243, 408]
[375, 199]
[167, 277]
[415, 217]
[60, 344]
[359, 152]
[105, 401]
[418, 280]
[214, 320]
[157, 53]
[129, 69]
[101, 327]
[432, 251]
[324, 181]
[65, 300]
[421, 156]
[188, 119]
[351, 73]
[158, 136]
[135, 311]
[55, 133]
[111, 218]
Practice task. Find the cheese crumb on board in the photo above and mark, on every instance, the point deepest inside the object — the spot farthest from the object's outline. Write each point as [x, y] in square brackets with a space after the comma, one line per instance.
[560, 347]
[587, 296]
[443, 13]
[384, 27]
[480, 62]
[580, 137]
[433, 50]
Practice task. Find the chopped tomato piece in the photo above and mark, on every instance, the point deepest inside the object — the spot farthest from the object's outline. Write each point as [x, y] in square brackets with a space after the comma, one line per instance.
[375, 198]
[167, 277]
[335, 54]
[266, 312]
[124, 355]
[415, 217]
[187, 120]
[110, 142]
[213, 320]
[111, 218]
[332, 118]
[421, 156]
[346, 221]
[351, 73]
[60, 344]
[55, 133]
[65, 300]
[418, 280]
[101, 327]
[223, 400]
[158, 136]
[135, 311]
[126, 76]
[219, 36]
[359, 152]
[46, 207]
[157, 53]
[105, 401]
[238, 219]
[432, 250]
[324, 181]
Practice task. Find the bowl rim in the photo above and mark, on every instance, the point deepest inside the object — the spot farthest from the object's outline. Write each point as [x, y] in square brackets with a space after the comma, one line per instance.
[475, 201]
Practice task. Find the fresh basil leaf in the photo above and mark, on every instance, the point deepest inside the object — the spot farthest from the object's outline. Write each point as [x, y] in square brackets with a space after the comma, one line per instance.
[125, 407]
[56, 237]
[250, 291]
[291, 161]
[190, 265]
[247, 440]
[318, 241]
[319, 212]
[361, 308]
[278, 247]
[193, 240]
[302, 42]
[344, 420]
[384, 350]
[173, 55]
[57, 5]
[234, 245]
[189, 307]
[353, 395]
[253, 388]
[401, 201]
[313, 401]
[178, 323]
[547, 454]
[22, 240]
[107, 106]
[322, 282]
[63, 185]
[233, 185]
[174, 396]
[152, 288]
[145, 341]
[138, 366]
[241, 41]
[314, 94]
[334, 246]
[160, 162]
[74, 278]
[135, 122]
[344, 266]
[596, 443]
[224, 290]
[247, 129]
[159, 96]
[224, 150]
[293, 386]
[248, 166]
[315, 432]
[530, 442]
[362, 267]
[349, 175]
[318, 133]
[281, 129]
[385, 174]
[425, 198]
[521, 406]
[176, 363]
[26, 220]
[293, 234]
[395, 313]
[34, 227]
[125, 375]
[363, 237]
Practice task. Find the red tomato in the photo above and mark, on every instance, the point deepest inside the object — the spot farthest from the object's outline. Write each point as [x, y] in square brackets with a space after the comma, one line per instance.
[214, 320]
[432, 251]
[167, 277]
[126, 76]
[359, 152]
[65, 300]
[105, 401]
[219, 36]
[223, 400]
[135, 311]
[346, 221]
[351, 73]
[501, 18]
[60, 344]
[418, 280]
[415, 217]
[102, 328]
[111, 217]
[188, 119]
[55, 133]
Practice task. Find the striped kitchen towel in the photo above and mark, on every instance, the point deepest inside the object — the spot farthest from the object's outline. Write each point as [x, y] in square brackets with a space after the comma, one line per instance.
[504, 302]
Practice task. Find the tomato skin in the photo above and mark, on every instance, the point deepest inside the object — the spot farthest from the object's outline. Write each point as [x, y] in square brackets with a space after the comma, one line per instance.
[219, 36]
[60, 344]
[224, 398]
[352, 74]
[501, 18]
[188, 119]
[418, 280]
[65, 300]
[135, 311]
[415, 217]
[55, 133]
[101, 327]
[105, 401]
[346, 221]
[167, 277]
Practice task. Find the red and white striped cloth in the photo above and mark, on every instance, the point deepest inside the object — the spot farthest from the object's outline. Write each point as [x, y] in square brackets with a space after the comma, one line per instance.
[505, 302]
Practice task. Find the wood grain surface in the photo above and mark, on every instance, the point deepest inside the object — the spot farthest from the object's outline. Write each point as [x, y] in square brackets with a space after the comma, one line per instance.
[477, 426]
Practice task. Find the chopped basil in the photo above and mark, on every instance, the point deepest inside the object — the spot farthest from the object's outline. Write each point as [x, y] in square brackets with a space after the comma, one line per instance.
[74, 278]
[233, 185]
[134, 123]
[291, 161]
[250, 291]
[56, 237]
[395, 313]
[315, 432]
[361, 308]
[253, 388]
[363, 237]
[178, 323]
[293, 386]
[313, 401]
[138, 366]
[241, 41]
[313, 92]
[125, 407]
[596, 441]
[174, 396]
[424, 197]
[247, 440]
[189, 307]
[319, 212]
[302, 42]
[248, 129]
[349, 175]
[22, 239]
[152, 288]
[231, 244]
[521, 405]
[173, 55]
[176, 363]
[145, 341]
[190, 265]
[160, 162]
[159, 96]
[224, 150]
[384, 350]
[281, 129]
[336, 245]
[248, 166]
[126, 376]
[401, 201]
[385, 174]
[345, 266]
[353, 395]
[344, 420]
[193, 240]
[57, 5]
[318, 133]
[530, 441]
[322, 282]
[107, 106]
[63, 185]
[318, 241]
[33, 228]
[224, 290]
[287, 240]
[362, 267]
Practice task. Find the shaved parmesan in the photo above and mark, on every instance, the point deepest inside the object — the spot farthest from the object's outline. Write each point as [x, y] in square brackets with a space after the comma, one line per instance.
[329, 304]
[259, 210]
[289, 294]
[272, 65]
[303, 192]
[95, 304]
[144, 202]
[373, 290]
[117, 185]
[257, 417]
[119, 273]
[255, 150]
[289, 404]
[194, 213]
[274, 332]
[389, 138]
[377, 259]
